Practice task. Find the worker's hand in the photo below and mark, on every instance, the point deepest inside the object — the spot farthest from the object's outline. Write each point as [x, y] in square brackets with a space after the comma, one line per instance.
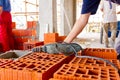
[1, 10]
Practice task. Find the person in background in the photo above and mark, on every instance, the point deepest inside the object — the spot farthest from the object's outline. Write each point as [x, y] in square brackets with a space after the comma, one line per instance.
[109, 22]
[6, 36]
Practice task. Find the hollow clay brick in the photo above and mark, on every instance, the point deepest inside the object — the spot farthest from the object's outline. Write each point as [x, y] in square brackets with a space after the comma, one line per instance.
[100, 52]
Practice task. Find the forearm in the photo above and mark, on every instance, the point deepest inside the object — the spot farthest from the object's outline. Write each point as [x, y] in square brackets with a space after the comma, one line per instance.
[78, 27]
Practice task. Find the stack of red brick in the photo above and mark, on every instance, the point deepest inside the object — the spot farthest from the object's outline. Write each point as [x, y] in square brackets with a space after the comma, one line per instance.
[24, 35]
[36, 66]
[48, 38]
[43, 66]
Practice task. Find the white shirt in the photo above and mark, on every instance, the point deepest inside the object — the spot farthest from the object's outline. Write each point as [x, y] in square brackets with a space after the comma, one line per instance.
[109, 15]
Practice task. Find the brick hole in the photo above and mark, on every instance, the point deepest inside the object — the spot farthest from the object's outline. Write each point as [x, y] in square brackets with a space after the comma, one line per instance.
[112, 50]
[77, 75]
[107, 50]
[14, 68]
[71, 70]
[103, 50]
[69, 73]
[111, 72]
[85, 76]
[50, 64]
[11, 66]
[22, 65]
[112, 75]
[115, 61]
[3, 67]
[99, 62]
[88, 67]
[42, 64]
[72, 67]
[113, 79]
[90, 61]
[20, 68]
[28, 62]
[39, 67]
[103, 70]
[94, 49]
[60, 73]
[81, 67]
[76, 59]
[47, 66]
[29, 47]
[87, 64]
[43, 68]
[82, 61]
[39, 71]
[93, 72]
[111, 69]
[38, 63]
[95, 64]
[47, 58]
[104, 79]
[95, 68]
[80, 71]
[66, 66]
[31, 66]
[104, 76]
[63, 71]
[108, 65]
[35, 69]
[94, 77]
[99, 50]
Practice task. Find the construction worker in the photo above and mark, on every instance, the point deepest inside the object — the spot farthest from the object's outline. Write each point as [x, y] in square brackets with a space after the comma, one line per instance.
[6, 37]
[89, 7]
[109, 21]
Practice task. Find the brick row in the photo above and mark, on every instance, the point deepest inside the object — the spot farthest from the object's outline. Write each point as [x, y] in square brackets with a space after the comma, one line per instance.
[100, 52]
[32, 44]
[94, 62]
[22, 32]
[83, 72]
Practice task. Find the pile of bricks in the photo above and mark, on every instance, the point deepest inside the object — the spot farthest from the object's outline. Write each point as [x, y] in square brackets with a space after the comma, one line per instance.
[48, 38]
[43, 66]
[24, 35]
[36, 66]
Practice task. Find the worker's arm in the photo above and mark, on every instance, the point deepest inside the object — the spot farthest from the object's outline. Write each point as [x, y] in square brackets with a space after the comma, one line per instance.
[89, 7]
[78, 27]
